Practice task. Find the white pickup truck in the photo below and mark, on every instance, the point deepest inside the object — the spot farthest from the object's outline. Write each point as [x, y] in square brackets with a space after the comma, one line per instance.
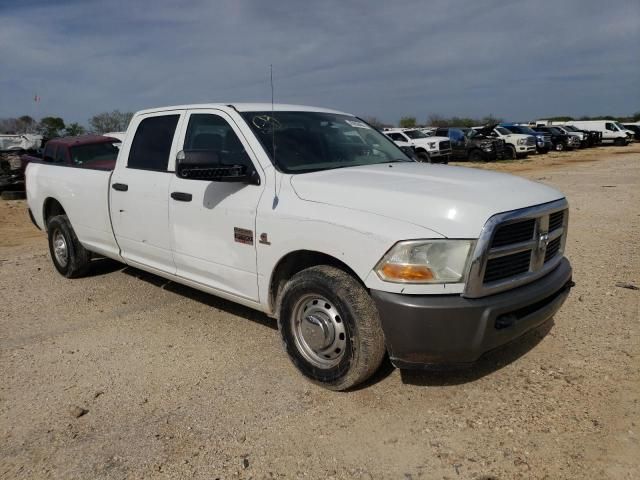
[318, 220]
[427, 148]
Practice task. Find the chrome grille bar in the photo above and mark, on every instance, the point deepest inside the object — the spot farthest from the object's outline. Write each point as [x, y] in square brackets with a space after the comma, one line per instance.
[540, 263]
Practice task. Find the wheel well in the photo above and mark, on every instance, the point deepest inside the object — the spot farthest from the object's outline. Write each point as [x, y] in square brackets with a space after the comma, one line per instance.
[295, 262]
[51, 208]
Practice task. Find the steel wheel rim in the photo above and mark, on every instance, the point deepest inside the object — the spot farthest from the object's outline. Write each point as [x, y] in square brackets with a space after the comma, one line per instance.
[318, 331]
[60, 250]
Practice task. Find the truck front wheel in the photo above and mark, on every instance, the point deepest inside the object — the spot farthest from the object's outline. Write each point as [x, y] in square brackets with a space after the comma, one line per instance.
[423, 156]
[330, 327]
[69, 257]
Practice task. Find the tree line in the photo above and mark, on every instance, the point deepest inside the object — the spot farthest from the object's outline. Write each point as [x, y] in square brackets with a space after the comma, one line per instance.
[52, 127]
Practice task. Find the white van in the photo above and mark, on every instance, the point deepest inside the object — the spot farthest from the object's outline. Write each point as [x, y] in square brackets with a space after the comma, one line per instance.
[612, 131]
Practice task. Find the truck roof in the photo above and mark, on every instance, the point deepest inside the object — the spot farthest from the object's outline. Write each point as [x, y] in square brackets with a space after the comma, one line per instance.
[246, 107]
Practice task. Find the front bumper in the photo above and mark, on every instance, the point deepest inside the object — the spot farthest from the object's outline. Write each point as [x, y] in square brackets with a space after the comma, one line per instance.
[444, 330]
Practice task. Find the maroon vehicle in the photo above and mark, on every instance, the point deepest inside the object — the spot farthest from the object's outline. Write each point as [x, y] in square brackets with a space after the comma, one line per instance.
[85, 151]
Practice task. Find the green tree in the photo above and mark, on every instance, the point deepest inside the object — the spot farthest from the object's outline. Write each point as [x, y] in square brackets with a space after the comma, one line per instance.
[51, 127]
[115, 121]
[636, 117]
[408, 122]
[74, 129]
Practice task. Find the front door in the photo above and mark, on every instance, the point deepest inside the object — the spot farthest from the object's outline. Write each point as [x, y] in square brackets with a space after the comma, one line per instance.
[213, 223]
[139, 195]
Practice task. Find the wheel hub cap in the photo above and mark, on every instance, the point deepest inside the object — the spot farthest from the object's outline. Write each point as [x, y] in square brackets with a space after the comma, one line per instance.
[319, 332]
[60, 248]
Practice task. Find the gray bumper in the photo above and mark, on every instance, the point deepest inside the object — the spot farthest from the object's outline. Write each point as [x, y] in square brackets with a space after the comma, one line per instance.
[433, 330]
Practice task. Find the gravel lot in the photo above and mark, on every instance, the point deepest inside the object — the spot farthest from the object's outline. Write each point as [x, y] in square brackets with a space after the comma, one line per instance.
[126, 375]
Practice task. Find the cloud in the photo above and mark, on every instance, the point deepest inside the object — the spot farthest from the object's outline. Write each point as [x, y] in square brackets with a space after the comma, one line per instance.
[516, 59]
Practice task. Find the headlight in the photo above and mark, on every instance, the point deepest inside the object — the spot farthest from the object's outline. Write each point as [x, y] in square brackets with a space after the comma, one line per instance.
[522, 141]
[432, 145]
[426, 261]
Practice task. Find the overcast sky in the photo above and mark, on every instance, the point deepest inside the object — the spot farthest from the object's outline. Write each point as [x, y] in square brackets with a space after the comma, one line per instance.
[519, 60]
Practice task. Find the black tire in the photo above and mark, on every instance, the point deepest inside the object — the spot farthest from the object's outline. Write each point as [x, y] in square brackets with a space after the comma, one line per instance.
[356, 314]
[510, 152]
[77, 257]
[14, 195]
[423, 156]
[476, 156]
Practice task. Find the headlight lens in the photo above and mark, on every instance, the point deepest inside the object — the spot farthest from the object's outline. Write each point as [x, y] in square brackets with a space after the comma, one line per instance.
[432, 145]
[522, 141]
[426, 261]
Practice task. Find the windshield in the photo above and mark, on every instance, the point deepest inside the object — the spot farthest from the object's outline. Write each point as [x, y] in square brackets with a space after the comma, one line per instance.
[415, 134]
[503, 131]
[571, 128]
[312, 141]
[555, 130]
[94, 152]
[620, 127]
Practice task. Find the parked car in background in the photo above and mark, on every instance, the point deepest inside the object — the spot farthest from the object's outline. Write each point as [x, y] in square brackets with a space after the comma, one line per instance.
[431, 149]
[560, 140]
[612, 132]
[85, 151]
[517, 145]
[579, 135]
[635, 128]
[473, 145]
[356, 250]
[543, 139]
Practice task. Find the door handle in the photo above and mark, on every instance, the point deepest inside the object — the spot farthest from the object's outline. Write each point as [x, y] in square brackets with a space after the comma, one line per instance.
[121, 187]
[181, 196]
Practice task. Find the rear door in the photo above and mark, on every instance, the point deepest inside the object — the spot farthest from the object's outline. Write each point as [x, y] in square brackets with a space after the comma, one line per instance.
[140, 191]
[213, 223]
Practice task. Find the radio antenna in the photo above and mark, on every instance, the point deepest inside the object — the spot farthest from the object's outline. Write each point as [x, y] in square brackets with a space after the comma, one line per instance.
[273, 139]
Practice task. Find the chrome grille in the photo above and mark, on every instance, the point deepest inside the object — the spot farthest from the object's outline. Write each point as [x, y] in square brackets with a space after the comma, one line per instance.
[518, 247]
[531, 141]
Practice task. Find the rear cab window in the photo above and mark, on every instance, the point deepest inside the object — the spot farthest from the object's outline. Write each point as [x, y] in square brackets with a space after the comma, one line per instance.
[152, 142]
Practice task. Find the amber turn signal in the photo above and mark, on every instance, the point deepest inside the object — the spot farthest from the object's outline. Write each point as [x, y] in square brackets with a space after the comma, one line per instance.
[414, 273]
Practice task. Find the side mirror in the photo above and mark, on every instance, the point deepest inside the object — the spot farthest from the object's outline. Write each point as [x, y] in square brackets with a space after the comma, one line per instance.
[206, 165]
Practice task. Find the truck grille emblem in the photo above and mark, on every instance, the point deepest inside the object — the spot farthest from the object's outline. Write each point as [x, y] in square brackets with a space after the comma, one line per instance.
[543, 241]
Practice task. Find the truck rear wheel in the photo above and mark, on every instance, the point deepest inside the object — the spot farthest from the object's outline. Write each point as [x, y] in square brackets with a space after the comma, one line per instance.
[69, 257]
[330, 328]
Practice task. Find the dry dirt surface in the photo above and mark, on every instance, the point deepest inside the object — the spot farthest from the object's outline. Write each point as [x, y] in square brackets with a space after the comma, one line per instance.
[124, 375]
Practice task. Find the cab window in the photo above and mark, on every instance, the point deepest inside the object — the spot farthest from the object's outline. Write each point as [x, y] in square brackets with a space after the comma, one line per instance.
[152, 143]
[213, 133]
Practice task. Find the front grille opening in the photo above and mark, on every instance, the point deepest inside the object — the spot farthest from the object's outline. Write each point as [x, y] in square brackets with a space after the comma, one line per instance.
[507, 266]
[552, 249]
[555, 220]
[514, 233]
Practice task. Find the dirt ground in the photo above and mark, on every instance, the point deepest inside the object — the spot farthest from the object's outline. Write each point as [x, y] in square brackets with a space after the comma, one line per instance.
[179, 384]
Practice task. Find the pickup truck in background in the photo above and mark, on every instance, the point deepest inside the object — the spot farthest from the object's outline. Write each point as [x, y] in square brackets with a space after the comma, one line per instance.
[517, 145]
[320, 221]
[560, 140]
[429, 149]
[84, 151]
[543, 139]
[474, 145]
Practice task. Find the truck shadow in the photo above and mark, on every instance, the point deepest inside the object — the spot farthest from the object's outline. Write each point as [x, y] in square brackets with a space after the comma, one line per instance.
[202, 297]
[487, 364]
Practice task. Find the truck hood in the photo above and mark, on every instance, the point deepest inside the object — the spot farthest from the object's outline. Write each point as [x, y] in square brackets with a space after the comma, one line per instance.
[455, 202]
